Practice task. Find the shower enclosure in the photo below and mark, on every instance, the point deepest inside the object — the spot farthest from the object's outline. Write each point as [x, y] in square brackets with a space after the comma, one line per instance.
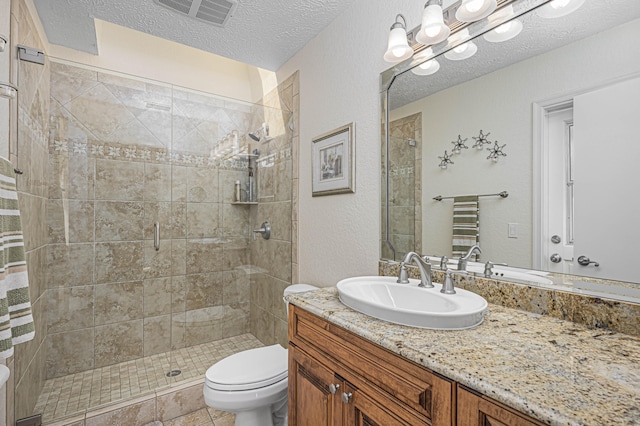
[401, 183]
[151, 269]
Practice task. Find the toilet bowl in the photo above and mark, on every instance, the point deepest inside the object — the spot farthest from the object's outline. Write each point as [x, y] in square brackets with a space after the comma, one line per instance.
[252, 383]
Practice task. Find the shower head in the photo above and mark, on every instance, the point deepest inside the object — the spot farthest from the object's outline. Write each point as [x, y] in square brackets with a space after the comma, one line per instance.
[262, 133]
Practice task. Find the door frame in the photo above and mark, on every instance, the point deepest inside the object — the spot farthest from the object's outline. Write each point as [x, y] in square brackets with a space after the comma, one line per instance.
[540, 150]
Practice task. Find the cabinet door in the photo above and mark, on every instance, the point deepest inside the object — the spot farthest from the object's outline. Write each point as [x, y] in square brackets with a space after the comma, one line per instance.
[311, 401]
[364, 407]
[474, 410]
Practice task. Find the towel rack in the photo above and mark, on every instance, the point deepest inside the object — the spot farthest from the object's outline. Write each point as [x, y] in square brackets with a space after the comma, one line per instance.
[503, 194]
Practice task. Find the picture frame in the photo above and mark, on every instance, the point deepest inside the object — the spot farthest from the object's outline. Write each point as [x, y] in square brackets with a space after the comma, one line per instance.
[333, 162]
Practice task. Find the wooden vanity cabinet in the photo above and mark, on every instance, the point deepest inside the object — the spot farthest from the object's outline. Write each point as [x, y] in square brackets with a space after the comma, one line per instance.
[337, 378]
[478, 410]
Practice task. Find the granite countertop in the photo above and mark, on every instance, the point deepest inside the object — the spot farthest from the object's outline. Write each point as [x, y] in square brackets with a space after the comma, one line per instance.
[553, 370]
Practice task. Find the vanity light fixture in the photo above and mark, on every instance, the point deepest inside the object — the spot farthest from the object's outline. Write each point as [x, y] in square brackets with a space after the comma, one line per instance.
[506, 31]
[398, 48]
[559, 8]
[427, 67]
[433, 29]
[464, 50]
[474, 10]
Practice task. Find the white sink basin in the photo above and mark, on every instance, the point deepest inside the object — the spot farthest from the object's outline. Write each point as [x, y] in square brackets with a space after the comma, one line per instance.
[408, 304]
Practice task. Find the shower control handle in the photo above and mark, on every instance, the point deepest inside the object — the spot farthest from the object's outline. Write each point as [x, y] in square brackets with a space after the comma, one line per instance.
[555, 258]
[265, 230]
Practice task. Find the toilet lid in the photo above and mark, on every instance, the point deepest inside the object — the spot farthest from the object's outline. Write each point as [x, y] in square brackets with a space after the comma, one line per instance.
[251, 369]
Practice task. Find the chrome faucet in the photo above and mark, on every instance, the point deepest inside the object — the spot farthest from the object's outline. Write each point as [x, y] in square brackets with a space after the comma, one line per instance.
[423, 266]
[462, 262]
[488, 268]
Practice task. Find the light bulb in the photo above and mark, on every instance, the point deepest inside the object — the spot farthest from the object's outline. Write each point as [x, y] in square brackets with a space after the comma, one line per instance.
[504, 28]
[398, 52]
[433, 31]
[475, 5]
[559, 8]
[559, 4]
[474, 10]
[461, 48]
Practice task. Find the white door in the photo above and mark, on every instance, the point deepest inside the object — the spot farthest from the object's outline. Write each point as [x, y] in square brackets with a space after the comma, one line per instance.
[557, 244]
[607, 180]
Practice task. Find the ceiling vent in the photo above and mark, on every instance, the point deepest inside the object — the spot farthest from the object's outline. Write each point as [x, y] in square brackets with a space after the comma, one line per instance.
[216, 12]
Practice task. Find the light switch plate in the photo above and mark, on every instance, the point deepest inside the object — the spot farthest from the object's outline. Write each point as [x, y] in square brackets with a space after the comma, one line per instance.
[513, 230]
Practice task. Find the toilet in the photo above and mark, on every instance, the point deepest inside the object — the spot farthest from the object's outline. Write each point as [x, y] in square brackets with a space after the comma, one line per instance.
[252, 383]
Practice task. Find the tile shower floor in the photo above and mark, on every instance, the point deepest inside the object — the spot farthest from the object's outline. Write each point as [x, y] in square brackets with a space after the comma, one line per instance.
[75, 393]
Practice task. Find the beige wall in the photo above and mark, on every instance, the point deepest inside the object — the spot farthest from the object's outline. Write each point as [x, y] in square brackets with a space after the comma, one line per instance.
[132, 52]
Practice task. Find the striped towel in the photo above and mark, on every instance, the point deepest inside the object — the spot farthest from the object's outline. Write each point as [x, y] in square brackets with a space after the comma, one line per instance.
[465, 225]
[16, 321]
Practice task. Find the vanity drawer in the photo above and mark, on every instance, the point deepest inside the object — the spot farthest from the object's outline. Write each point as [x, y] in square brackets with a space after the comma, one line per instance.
[418, 388]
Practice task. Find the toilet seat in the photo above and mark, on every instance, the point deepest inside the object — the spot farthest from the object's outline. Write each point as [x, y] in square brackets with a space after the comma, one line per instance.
[251, 369]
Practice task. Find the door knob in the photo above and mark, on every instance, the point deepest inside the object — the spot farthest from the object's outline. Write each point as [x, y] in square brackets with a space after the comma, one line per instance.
[346, 397]
[584, 261]
[556, 258]
[333, 388]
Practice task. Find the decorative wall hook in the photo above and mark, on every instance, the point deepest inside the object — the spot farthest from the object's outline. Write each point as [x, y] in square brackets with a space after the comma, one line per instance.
[481, 140]
[445, 160]
[459, 145]
[496, 152]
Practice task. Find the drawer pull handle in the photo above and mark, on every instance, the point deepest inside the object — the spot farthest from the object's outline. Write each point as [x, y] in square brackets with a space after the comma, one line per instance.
[333, 388]
[346, 397]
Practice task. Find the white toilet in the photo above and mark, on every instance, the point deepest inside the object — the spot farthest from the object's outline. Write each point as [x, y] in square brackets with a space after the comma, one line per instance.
[253, 383]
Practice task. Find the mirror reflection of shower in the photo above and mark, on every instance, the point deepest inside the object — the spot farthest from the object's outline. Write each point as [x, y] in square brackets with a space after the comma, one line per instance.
[261, 134]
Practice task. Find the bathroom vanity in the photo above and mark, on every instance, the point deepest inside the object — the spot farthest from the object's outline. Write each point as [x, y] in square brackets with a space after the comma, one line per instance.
[516, 368]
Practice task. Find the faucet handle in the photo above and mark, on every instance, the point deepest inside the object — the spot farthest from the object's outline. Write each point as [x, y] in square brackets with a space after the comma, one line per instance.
[488, 268]
[403, 276]
[443, 262]
[447, 286]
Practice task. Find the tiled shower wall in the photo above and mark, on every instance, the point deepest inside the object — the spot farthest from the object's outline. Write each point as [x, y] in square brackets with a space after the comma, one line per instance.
[405, 183]
[30, 154]
[125, 153]
[276, 258]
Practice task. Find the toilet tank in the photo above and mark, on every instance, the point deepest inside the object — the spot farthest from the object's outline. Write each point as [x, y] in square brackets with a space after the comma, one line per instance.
[296, 288]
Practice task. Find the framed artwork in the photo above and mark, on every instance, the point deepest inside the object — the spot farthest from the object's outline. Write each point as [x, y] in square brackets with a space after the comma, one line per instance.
[332, 162]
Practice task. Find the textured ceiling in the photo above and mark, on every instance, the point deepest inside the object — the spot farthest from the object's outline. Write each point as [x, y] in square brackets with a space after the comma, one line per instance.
[538, 36]
[264, 33]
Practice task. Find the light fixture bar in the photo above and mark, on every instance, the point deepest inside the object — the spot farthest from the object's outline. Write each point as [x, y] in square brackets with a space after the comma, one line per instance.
[450, 20]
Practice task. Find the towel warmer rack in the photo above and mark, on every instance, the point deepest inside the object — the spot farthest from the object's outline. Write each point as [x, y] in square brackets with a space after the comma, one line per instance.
[503, 194]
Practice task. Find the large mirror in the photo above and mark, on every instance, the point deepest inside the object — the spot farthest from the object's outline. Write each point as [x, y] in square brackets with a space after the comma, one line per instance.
[561, 100]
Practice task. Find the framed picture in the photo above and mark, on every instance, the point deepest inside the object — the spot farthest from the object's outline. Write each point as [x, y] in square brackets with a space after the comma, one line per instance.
[332, 168]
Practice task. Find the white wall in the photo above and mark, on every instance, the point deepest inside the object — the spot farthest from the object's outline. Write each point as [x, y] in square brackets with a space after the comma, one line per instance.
[339, 83]
[132, 52]
[501, 103]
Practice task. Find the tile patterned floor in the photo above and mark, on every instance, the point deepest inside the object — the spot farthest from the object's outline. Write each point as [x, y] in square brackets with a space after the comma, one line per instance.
[76, 393]
[204, 417]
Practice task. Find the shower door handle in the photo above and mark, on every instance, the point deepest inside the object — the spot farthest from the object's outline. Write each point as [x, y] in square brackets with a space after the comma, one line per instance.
[156, 236]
